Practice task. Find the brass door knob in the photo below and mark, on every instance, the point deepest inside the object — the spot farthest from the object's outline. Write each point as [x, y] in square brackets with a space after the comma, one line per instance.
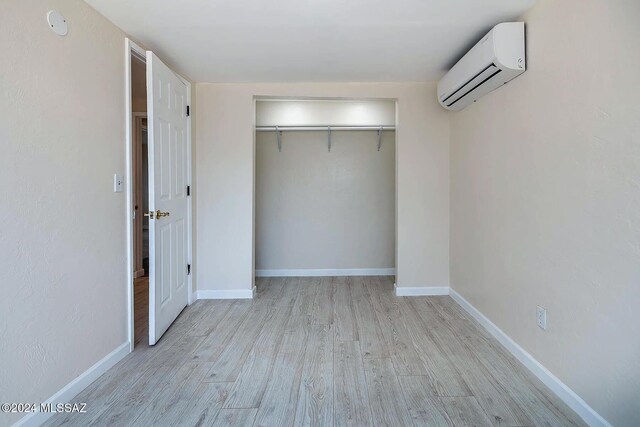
[157, 214]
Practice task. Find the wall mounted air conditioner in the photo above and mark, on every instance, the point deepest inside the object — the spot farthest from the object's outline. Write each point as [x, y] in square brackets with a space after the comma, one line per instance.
[492, 62]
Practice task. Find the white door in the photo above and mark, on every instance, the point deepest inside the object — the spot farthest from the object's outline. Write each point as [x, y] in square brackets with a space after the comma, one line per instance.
[167, 142]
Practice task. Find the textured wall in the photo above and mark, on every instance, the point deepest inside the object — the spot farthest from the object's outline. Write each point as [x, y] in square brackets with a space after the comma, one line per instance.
[225, 178]
[545, 178]
[62, 229]
[318, 209]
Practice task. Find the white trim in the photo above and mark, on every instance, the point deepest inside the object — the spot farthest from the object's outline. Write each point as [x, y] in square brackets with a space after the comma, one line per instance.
[419, 291]
[130, 49]
[71, 390]
[307, 272]
[568, 396]
[226, 293]
[190, 299]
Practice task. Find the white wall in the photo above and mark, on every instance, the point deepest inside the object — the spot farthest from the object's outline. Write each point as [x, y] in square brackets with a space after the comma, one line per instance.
[324, 112]
[225, 178]
[545, 201]
[62, 229]
[317, 209]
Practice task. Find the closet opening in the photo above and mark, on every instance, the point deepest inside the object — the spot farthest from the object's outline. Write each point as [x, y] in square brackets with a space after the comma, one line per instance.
[325, 188]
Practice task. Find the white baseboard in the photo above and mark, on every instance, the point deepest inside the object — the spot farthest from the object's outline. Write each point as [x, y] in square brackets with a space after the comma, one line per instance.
[568, 396]
[307, 272]
[419, 291]
[226, 293]
[71, 390]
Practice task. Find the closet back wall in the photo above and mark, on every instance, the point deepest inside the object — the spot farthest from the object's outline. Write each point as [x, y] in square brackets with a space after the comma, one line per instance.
[325, 210]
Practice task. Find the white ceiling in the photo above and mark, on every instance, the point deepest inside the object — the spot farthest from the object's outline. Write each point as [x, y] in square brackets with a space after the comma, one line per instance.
[309, 40]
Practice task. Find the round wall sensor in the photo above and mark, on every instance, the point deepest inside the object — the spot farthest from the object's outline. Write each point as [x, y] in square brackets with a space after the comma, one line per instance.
[57, 23]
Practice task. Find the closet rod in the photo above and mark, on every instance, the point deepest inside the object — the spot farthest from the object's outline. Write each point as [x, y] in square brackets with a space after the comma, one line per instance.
[320, 128]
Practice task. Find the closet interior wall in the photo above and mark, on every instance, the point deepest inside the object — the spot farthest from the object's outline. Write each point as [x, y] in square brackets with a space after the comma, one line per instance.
[325, 200]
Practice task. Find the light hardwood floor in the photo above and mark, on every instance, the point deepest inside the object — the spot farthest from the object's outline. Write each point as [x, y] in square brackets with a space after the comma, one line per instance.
[340, 351]
[141, 310]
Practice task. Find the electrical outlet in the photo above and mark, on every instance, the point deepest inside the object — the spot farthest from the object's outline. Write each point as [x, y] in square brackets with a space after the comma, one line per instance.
[118, 183]
[541, 317]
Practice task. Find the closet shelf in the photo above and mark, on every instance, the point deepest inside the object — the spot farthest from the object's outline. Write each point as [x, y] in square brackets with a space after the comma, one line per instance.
[279, 129]
[320, 128]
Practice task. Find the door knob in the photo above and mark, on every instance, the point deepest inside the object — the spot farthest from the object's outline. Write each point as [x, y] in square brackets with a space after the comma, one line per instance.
[157, 214]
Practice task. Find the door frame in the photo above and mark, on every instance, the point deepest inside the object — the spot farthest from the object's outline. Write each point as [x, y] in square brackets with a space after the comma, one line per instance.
[131, 48]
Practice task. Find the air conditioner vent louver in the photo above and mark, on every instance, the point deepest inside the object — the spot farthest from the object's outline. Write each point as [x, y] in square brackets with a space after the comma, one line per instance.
[471, 78]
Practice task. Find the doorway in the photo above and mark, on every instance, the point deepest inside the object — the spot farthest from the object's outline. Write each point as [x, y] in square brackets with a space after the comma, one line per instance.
[140, 187]
[141, 228]
[158, 183]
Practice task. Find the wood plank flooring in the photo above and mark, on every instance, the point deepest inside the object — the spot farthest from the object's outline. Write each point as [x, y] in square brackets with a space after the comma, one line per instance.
[341, 351]
[141, 310]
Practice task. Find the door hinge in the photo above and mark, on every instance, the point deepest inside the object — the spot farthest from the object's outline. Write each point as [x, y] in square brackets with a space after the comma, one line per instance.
[188, 112]
[188, 269]
[188, 190]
